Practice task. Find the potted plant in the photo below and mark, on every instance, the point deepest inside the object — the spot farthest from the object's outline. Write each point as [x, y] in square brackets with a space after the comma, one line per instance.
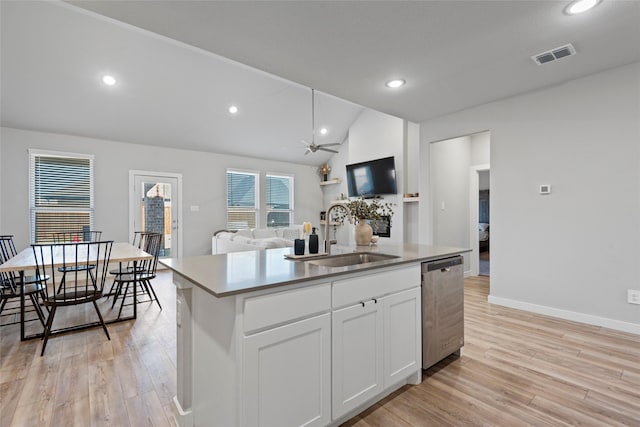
[359, 211]
[324, 170]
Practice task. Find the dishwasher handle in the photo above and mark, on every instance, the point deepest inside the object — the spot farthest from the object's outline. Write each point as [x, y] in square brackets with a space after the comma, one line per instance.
[443, 265]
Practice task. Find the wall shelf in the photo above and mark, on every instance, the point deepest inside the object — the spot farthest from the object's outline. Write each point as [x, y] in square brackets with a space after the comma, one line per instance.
[330, 182]
[411, 199]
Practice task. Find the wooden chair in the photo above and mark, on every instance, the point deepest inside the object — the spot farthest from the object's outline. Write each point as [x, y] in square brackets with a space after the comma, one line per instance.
[151, 243]
[10, 285]
[71, 283]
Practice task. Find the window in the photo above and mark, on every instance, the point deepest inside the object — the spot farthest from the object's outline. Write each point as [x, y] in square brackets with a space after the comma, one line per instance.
[242, 200]
[279, 200]
[60, 194]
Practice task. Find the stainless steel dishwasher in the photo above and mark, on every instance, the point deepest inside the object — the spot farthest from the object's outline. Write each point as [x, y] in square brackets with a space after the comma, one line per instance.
[442, 309]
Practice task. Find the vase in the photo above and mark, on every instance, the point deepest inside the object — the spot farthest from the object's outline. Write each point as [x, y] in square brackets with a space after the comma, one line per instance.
[363, 233]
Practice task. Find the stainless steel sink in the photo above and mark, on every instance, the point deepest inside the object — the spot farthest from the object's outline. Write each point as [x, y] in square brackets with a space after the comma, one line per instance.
[344, 260]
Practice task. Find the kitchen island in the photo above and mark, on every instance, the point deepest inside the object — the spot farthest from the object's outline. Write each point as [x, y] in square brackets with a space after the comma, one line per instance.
[264, 340]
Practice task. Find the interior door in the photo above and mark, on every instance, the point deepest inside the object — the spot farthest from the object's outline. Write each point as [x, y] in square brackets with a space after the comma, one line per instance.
[155, 202]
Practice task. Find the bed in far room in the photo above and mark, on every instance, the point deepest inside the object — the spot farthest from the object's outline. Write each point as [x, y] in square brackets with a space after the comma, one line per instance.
[483, 220]
[483, 236]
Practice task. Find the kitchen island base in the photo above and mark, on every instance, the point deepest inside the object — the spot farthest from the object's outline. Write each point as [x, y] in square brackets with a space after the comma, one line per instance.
[311, 354]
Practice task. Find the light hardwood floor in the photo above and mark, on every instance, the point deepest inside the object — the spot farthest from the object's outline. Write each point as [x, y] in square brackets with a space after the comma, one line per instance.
[517, 369]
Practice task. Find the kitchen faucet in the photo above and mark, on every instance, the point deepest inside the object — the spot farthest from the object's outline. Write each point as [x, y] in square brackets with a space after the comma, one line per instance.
[327, 221]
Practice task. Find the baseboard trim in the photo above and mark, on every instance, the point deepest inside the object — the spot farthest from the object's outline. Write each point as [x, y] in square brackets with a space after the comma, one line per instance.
[183, 418]
[574, 316]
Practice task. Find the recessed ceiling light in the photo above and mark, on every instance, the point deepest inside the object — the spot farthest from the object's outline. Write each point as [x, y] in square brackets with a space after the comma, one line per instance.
[233, 109]
[394, 84]
[580, 6]
[108, 80]
[324, 131]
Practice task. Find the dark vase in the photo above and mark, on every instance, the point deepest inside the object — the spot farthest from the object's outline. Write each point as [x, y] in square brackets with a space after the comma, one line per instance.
[325, 177]
[313, 242]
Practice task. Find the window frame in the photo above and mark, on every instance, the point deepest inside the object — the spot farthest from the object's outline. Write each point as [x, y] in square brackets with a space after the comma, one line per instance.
[255, 209]
[34, 209]
[291, 208]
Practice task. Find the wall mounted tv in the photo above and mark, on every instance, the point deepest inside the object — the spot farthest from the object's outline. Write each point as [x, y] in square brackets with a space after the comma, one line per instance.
[372, 178]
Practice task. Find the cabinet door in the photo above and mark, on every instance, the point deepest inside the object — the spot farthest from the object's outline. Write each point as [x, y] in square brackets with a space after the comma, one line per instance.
[357, 355]
[402, 336]
[287, 374]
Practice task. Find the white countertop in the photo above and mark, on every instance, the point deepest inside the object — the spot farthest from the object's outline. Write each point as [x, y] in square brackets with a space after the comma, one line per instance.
[238, 272]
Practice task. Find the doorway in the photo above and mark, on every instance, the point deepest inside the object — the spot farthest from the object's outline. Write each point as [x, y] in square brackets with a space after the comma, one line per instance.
[454, 183]
[154, 206]
[484, 229]
[479, 219]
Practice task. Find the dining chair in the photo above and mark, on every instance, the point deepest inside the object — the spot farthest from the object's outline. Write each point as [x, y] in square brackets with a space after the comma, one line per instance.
[70, 282]
[126, 268]
[10, 284]
[76, 237]
[151, 243]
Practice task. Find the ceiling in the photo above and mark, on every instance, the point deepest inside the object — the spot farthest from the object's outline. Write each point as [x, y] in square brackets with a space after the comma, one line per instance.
[453, 55]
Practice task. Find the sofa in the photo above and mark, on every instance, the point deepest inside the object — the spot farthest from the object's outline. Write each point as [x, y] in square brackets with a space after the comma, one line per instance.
[225, 241]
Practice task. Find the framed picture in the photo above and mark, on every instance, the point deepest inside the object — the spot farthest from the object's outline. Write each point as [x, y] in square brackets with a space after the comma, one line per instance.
[381, 227]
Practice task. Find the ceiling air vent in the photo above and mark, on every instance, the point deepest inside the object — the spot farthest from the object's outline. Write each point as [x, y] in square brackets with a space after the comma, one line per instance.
[554, 54]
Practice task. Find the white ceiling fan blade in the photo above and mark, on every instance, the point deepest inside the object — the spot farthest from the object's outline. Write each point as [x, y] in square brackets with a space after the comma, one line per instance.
[333, 144]
[327, 149]
[302, 141]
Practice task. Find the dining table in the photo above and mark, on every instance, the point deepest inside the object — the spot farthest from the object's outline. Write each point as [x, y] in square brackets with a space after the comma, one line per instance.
[121, 252]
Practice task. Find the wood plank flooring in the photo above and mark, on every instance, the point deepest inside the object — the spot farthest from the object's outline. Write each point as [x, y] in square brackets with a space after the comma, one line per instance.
[517, 369]
[85, 379]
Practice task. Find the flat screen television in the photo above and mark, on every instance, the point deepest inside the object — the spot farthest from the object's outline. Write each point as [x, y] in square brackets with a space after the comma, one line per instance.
[372, 178]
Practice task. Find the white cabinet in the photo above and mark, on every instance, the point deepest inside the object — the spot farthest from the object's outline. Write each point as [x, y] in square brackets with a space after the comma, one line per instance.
[376, 338]
[402, 336]
[287, 372]
[357, 355]
[286, 363]
[311, 354]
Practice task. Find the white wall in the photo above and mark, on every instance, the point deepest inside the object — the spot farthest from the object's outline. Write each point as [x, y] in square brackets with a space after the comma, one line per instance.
[484, 180]
[449, 168]
[575, 252]
[203, 184]
[480, 148]
[373, 135]
[412, 182]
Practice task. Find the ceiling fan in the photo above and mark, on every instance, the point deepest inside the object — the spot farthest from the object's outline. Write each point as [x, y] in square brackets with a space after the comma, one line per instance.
[312, 147]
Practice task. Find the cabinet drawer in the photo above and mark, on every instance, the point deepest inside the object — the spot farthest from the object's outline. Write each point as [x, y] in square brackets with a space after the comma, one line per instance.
[263, 311]
[350, 291]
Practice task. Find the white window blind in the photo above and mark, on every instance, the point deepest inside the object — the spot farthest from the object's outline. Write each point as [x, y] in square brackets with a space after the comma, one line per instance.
[279, 202]
[242, 200]
[60, 194]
